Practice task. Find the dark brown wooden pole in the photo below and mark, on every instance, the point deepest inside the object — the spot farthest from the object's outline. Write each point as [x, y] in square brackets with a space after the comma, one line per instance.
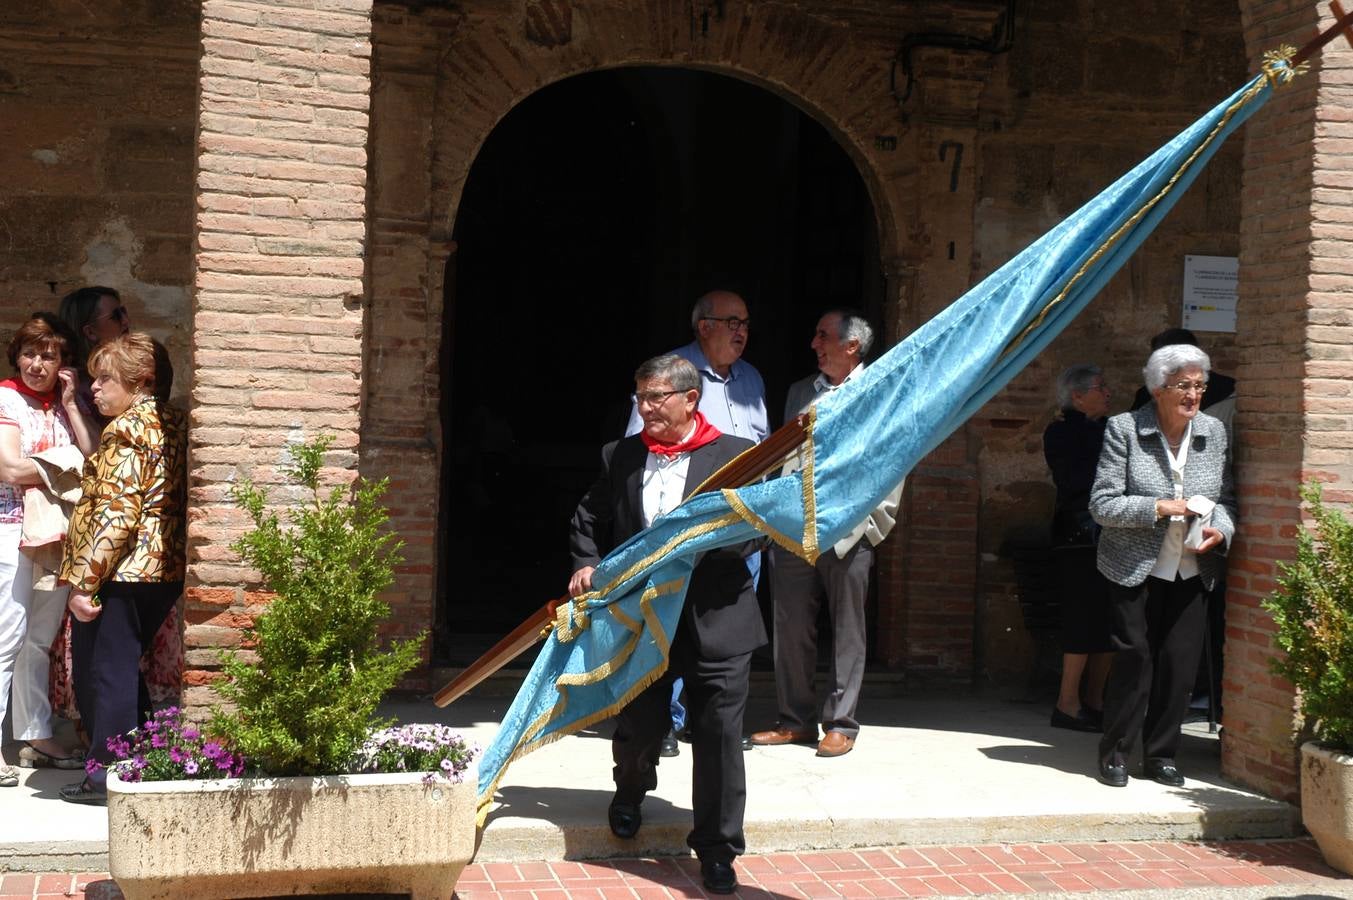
[742, 470]
[1343, 25]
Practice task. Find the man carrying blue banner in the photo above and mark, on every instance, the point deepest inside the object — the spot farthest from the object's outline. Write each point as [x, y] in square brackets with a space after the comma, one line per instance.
[644, 477]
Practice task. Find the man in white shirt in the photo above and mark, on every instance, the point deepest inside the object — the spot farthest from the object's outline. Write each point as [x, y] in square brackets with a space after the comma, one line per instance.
[732, 396]
[732, 399]
[644, 477]
[842, 341]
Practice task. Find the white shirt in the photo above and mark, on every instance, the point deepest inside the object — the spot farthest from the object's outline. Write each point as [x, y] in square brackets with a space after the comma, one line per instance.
[821, 385]
[1173, 560]
[735, 405]
[664, 482]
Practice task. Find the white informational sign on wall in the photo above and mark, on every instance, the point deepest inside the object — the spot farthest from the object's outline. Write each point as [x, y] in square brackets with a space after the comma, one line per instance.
[1210, 292]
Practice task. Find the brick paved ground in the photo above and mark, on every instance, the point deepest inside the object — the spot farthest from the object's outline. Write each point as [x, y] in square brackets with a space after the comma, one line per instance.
[892, 872]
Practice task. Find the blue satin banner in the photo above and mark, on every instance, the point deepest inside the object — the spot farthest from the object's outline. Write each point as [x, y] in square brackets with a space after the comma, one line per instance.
[863, 440]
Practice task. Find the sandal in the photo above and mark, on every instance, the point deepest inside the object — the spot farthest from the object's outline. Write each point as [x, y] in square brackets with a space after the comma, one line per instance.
[9, 776]
[31, 757]
[84, 792]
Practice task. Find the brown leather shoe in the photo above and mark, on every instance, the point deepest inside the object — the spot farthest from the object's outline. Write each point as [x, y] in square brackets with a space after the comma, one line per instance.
[834, 743]
[777, 736]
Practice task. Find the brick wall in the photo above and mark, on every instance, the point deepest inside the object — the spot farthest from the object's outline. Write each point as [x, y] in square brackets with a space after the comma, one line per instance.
[278, 318]
[1088, 91]
[98, 112]
[283, 343]
[1293, 373]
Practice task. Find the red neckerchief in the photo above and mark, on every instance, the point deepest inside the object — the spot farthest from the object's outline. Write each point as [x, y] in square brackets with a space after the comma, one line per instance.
[47, 399]
[703, 434]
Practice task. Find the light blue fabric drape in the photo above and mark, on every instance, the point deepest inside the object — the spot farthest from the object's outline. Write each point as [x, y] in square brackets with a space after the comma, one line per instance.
[865, 439]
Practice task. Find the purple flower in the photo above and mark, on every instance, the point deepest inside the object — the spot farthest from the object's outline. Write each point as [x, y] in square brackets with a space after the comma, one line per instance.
[159, 741]
[212, 750]
[190, 733]
[92, 765]
[190, 767]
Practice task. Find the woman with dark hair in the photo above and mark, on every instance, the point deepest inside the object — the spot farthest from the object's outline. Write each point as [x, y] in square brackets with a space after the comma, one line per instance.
[1164, 497]
[126, 555]
[1071, 447]
[95, 314]
[38, 414]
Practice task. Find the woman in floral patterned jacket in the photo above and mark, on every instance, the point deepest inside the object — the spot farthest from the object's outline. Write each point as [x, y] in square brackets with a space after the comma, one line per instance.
[125, 556]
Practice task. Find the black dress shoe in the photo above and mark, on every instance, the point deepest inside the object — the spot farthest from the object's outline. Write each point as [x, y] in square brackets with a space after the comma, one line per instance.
[719, 877]
[1081, 721]
[669, 746]
[624, 819]
[1162, 771]
[1113, 771]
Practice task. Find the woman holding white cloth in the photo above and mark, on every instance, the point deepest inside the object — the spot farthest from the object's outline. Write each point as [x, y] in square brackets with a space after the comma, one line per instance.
[1164, 498]
[38, 411]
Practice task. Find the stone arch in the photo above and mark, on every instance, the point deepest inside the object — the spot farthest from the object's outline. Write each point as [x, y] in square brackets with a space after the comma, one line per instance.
[809, 62]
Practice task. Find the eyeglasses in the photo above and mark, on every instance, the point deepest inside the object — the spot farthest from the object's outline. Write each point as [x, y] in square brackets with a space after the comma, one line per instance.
[733, 322]
[1185, 387]
[653, 398]
[119, 313]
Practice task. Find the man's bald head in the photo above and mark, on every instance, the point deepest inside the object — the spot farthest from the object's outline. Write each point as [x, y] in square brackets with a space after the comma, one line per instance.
[721, 323]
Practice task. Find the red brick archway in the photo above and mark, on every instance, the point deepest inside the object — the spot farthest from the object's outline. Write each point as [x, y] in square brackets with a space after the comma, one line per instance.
[455, 87]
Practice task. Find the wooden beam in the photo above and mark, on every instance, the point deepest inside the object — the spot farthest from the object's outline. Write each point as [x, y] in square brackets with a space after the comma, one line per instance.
[744, 469]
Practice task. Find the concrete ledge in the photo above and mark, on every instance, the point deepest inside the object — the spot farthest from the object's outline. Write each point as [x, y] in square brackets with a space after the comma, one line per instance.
[939, 770]
[54, 856]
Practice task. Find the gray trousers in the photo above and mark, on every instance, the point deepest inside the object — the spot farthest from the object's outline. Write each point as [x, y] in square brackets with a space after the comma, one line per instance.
[798, 589]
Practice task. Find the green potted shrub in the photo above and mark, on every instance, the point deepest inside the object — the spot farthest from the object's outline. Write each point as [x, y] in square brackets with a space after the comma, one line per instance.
[1313, 611]
[321, 773]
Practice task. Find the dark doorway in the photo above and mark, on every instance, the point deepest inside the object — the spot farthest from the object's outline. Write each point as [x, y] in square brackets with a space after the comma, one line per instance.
[595, 214]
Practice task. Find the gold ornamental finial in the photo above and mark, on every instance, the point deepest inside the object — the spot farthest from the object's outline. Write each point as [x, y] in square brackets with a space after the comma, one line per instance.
[1278, 65]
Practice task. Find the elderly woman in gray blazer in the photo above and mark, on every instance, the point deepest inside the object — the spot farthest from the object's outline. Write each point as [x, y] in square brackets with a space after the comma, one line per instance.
[1163, 495]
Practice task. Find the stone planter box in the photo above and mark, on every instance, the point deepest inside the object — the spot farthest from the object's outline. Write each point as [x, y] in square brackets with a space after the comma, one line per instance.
[257, 837]
[1327, 802]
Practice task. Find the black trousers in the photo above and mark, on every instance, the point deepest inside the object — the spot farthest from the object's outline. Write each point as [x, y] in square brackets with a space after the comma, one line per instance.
[106, 661]
[1158, 636]
[716, 699]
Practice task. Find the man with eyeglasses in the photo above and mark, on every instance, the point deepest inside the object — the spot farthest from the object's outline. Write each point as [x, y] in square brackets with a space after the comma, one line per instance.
[643, 477]
[733, 399]
[841, 342]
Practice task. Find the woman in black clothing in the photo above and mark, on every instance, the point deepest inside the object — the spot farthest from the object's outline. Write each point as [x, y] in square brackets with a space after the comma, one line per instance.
[1071, 446]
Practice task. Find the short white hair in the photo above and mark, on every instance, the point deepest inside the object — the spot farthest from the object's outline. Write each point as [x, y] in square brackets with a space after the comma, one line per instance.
[1171, 359]
[1077, 379]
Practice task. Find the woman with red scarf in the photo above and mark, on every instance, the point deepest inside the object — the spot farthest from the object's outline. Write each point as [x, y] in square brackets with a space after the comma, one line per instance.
[38, 412]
